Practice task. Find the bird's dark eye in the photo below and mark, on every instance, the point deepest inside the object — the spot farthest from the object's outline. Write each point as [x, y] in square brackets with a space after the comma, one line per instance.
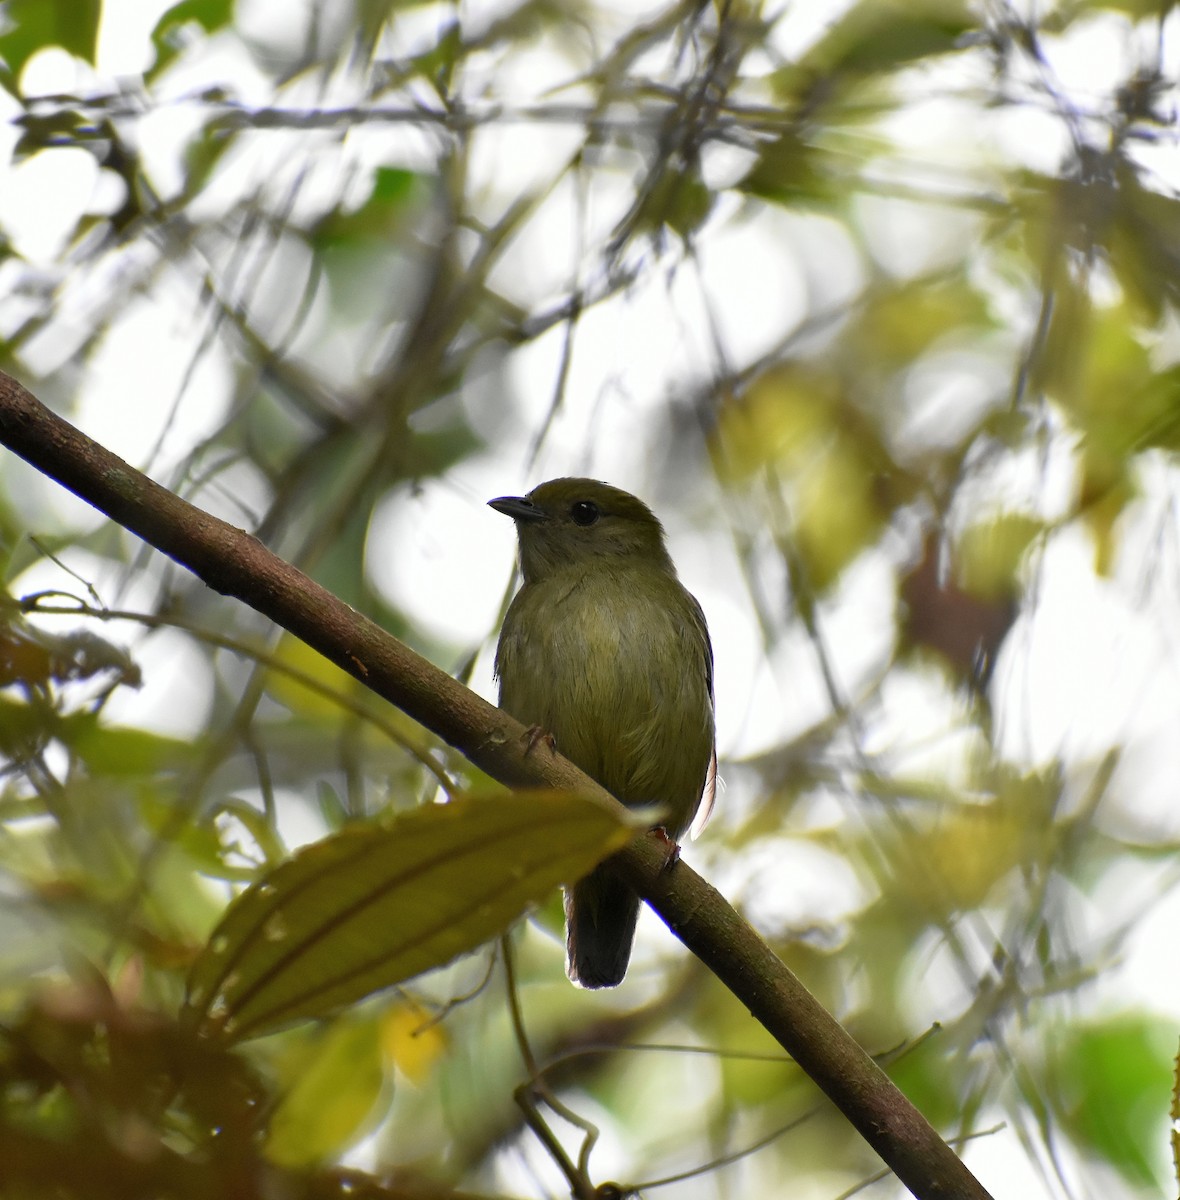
[584, 512]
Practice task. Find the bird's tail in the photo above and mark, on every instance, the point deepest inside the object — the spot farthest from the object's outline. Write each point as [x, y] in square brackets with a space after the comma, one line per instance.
[600, 916]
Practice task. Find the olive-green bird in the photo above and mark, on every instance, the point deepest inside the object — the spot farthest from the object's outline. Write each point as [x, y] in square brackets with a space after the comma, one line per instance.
[605, 650]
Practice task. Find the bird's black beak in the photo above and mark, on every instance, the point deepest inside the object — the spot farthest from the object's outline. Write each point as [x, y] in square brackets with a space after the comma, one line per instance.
[519, 508]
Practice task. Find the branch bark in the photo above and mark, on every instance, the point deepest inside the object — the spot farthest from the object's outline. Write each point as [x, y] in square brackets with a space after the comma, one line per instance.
[235, 564]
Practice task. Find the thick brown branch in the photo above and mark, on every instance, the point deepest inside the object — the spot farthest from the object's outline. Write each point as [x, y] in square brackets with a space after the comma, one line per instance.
[236, 564]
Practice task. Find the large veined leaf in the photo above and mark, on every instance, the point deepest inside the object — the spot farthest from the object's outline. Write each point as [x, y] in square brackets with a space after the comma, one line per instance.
[370, 907]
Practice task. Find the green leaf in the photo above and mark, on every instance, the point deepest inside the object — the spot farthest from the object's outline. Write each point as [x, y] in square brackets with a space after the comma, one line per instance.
[168, 38]
[35, 24]
[370, 907]
[1142, 243]
[332, 808]
[884, 35]
[790, 171]
[1114, 1082]
[380, 217]
[677, 201]
[202, 156]
[838, 511]
[373, 14]
[332, 1091]
[989, 553]
[57, 127]
[25, 727]
[899, 322]
[1098, 365]
[119, 751]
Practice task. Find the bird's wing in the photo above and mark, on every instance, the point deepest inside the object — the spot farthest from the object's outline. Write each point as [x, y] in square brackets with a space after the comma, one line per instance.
[709, 793]
[708, 798]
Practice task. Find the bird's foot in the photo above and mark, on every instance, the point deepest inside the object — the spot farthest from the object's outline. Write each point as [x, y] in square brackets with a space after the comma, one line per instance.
[534, 734]
[671, 847]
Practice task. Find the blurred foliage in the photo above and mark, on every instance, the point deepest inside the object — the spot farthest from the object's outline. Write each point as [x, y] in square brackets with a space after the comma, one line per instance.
[329, 271]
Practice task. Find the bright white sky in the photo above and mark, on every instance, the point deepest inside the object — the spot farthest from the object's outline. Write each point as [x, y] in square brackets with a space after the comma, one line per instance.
[1095, 665]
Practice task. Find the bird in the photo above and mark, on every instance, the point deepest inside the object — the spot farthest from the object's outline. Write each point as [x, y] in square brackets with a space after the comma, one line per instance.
[606, 652]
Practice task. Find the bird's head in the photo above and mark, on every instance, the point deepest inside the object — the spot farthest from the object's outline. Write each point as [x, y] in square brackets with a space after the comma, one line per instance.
[574, 522]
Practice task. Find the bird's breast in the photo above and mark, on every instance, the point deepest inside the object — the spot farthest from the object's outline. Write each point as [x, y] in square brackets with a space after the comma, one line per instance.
[617, 670]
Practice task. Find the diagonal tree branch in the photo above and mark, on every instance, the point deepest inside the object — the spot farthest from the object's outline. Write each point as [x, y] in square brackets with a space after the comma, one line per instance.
[232, 562]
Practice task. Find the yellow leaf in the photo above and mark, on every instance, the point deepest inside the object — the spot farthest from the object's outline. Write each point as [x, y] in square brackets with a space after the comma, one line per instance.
[413, 1040]
[899, 323]
[988, 555]
[837, 514]
[301, 658]
[966, 854]
[1105, 492]
[781, 418]
[885, 35]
